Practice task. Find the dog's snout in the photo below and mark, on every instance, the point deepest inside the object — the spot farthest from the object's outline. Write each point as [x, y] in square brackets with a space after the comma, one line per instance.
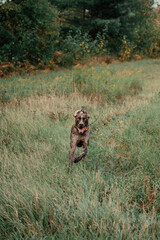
[81, 122]
[81, 125]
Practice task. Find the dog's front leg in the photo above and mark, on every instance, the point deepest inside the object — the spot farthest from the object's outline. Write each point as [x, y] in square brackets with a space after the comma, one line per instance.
[71, 157]
[82, 155]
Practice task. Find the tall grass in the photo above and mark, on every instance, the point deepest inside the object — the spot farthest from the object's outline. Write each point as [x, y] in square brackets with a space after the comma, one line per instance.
[108, 83]
[112, 194]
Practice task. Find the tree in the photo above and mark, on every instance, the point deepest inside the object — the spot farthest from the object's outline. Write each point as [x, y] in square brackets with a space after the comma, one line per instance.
[28, 30]
[111, 18]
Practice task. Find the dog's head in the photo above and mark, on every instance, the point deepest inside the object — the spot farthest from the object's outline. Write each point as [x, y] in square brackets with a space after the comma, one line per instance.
[81, 119]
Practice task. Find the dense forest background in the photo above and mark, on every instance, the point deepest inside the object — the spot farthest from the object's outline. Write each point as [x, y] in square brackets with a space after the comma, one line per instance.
[60, 32]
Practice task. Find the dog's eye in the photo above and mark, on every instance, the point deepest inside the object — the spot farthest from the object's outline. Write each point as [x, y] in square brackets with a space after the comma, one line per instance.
[79, 118]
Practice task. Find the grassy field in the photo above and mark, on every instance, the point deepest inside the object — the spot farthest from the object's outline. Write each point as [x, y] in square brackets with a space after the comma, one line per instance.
[114, 193]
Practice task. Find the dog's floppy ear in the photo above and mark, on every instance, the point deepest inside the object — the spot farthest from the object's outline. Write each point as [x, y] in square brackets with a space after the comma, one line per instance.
[75, 114]
[82, 108]
[87, 114]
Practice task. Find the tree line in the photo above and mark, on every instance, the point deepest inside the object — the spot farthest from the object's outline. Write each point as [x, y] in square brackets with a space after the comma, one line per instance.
[64, 30]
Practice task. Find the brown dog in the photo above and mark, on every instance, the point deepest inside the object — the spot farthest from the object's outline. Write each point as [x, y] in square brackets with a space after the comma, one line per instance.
[79, 136]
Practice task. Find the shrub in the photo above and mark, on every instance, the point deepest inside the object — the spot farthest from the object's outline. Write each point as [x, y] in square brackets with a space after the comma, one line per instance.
[80, 45]
[126, 50]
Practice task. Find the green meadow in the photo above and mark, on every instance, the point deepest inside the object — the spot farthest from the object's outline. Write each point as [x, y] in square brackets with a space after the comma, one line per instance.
[114, 193]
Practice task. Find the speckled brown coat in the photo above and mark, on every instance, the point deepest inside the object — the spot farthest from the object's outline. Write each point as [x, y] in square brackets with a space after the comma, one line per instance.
[79, 136]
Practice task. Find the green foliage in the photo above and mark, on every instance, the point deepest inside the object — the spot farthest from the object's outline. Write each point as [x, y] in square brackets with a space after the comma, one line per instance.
[28, 30]
[109, 22]
[78, 45]
[34, 31]
[111, 19]
[154, 49]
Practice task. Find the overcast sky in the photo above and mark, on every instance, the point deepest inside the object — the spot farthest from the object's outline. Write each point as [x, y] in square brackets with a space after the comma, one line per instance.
[156, 2]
